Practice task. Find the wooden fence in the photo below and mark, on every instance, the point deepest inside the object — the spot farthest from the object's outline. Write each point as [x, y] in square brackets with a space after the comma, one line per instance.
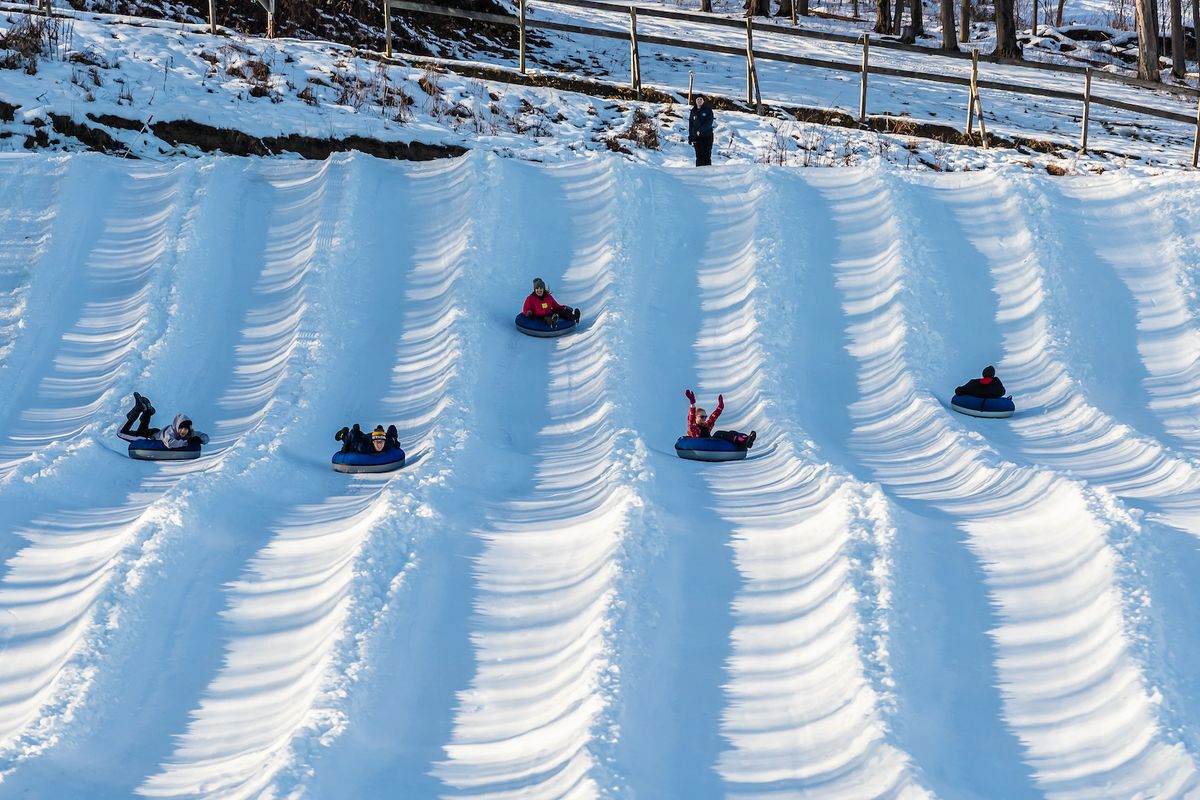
[752, 55]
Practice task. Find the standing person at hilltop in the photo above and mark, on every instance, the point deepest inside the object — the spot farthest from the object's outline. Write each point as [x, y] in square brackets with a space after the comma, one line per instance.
[700, 131]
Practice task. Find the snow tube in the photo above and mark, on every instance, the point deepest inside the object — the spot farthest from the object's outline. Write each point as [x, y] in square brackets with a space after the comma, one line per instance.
[696, 449]
[155, 450]
[537, 327]
[983, 406]
[355, 463]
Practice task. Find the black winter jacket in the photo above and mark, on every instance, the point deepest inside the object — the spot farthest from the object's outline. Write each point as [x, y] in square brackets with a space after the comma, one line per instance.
[977, 388]
[700, 122]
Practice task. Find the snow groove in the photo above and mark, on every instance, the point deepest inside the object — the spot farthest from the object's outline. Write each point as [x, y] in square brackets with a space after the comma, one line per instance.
[418, 396]
[236, 743]
[802, 715]
[1068, 432]
[1127, 225]
[1072, 692]
[117, 277]
[545, 577]
[52, 588]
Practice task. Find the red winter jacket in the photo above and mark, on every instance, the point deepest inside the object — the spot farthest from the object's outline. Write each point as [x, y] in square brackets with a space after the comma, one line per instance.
[697, 430]
[542, 306]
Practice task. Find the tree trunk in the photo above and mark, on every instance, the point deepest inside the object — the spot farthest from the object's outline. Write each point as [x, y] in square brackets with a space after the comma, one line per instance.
[1147, 33]
[1196, 26]
[803, 10]
[898, 18]
[917, 15]
[948, 36]
[785, 8]
[1058, 16]
[1007, 45]
[706, 6]
[758, 8]
[965, 15]
[1178, 48]
[883, 16]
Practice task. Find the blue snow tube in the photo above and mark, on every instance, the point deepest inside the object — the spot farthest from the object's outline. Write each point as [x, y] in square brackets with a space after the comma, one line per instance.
[155, 450]
[536, 327]
[355, 463]
[983, 406]
[698, 449]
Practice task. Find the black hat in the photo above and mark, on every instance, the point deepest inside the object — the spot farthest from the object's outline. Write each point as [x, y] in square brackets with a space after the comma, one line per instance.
[989, 371]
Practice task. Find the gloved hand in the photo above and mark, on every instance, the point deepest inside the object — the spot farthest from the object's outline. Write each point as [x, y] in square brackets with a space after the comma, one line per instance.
[720, 399]
[690, 396]
[691, 140]
[528, 315]
[193, 440]
[340, 435]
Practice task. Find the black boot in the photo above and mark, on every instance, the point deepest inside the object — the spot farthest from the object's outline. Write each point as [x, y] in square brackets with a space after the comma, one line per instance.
[575, 316]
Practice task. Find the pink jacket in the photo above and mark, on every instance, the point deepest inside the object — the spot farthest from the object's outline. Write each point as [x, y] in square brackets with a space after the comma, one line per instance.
[542, 306]
[703, 431]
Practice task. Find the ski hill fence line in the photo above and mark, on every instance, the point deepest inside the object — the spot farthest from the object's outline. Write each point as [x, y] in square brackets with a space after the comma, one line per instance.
[752, 55]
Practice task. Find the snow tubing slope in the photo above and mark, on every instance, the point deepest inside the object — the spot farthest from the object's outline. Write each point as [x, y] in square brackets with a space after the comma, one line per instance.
[990, 407]
[155, 450]
[696, 449]
[538, 328]
[356, 463]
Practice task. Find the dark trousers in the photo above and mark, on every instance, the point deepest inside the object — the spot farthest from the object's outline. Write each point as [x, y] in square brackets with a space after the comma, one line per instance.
[703, 145]
[144, 431]
[731, 436]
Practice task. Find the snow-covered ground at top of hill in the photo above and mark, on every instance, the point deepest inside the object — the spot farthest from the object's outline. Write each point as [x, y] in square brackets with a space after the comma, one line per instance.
[122, 76]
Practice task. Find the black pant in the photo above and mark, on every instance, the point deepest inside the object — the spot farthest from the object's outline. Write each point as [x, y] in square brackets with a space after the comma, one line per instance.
[734, 437]
[144, 430]
[703, 145]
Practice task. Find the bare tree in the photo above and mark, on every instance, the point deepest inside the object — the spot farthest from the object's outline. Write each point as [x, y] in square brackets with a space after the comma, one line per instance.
[706, 6]
[966, 22]
[948, 36]
[917, 17]
[1178, 52]
[883, 16]
[785, 8]
[1147, 33]
[898, 17]
[1058, 16]
[758, 8]
[1007, 45]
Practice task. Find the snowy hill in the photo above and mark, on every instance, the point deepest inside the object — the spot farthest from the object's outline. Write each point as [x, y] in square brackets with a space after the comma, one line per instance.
[891, 600]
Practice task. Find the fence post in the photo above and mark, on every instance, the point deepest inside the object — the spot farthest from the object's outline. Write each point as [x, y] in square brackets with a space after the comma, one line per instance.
[971, 95]
[1196, 137]
[794, 22]
[862, 91]
[691, 82]
[387, 28]
[521, 65]
[635, 62]
[1087, 106]
[978, 104]
[271, 20]
[752, 93]
[212, 17]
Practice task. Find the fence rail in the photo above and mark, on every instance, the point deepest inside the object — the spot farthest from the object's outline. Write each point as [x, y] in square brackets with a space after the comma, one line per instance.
[1085, 96]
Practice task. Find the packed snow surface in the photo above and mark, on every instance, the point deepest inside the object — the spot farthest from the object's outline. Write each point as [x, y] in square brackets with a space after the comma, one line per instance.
[886, 600]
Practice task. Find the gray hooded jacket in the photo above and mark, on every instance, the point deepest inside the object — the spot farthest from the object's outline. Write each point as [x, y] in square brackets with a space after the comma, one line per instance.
[170, 437]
